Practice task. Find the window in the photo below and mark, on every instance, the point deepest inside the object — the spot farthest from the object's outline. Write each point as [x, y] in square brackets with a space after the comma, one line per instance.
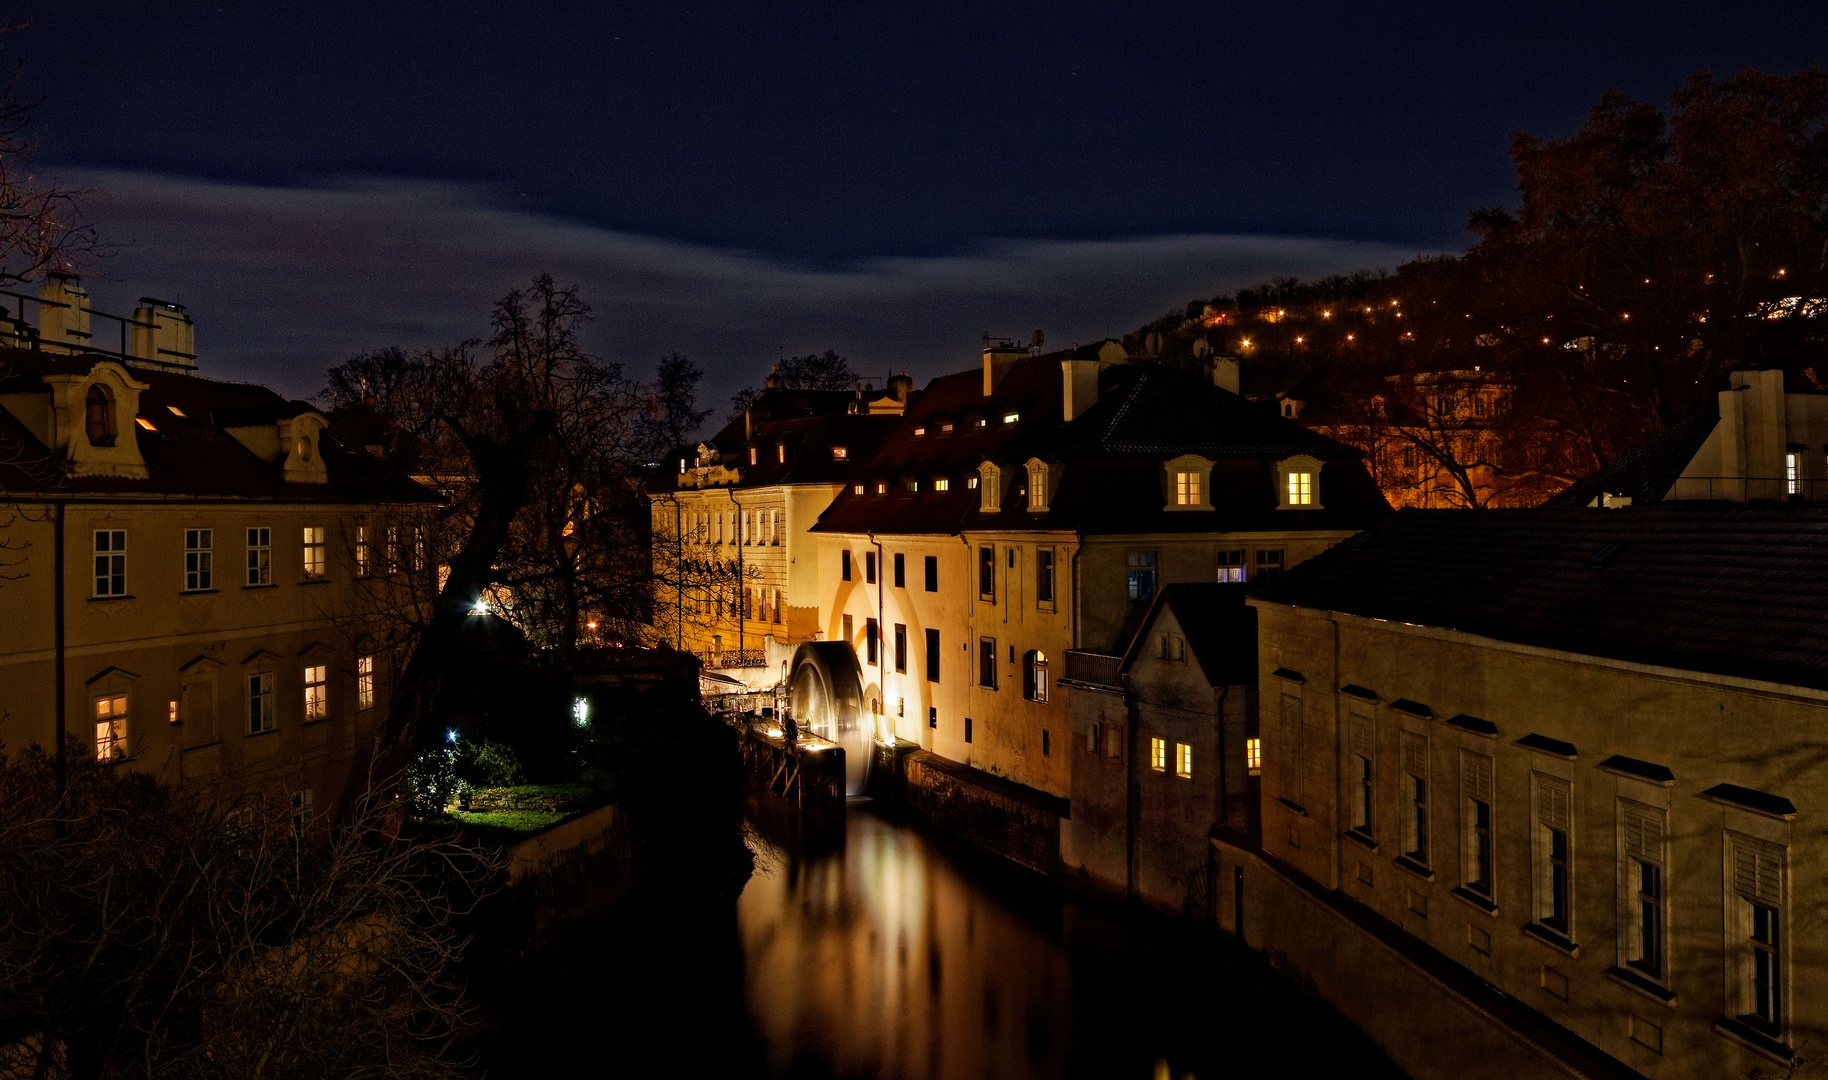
[1552, 807]
[933, 717]
[111, 562]
[1301, 489]
[1290, 755]
[971, 483]
[1141, 585]
[1363, 791]
[932, 655]
[1253, 755]
[901, 571]
[1044, 575]
[1187, 489]
[1037, 488]
[1792, 468]
[1183, 761]
[364, 682]
[1034, 675]
[780, 453]
[987, 662]
[98, 416]
[844, 564]
[967, 729]
[416, 555]
[1231, 566]
[1645, 896]
[1113, 741]
[1476, 791]
[364, 556]
[847, 630]
[1756, 894]
[317, 697]
[869, 568]
[260, 704]
[173, 711]
[1047, 742]
[1091, 739]
[199, 574]
[302, 813]
[869, 640]
[260, 556]
[987, 573]
[1415, 785]
[1269, 562]
[111, 727]
[780, 610]
[314, 552]
[752, 455]
[1158, 754]
[931, 566]
[901, 647]
[942, 484]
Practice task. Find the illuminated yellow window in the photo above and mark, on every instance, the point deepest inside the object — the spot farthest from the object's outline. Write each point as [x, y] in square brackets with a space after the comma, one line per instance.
[111, 727]
[317, 697]
[364, 682]
[1300, 489]
[1186, 489]
[1183, 761]
[1158, 755]
[1253, 755]
[314, 552]
[942, 484]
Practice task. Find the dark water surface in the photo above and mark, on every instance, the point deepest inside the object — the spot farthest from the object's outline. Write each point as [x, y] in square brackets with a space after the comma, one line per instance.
[890, 952]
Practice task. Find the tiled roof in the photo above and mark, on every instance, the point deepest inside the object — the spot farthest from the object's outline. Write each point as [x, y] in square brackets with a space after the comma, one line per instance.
[1647, 473]
[1145, 414]
[1725, 589]
[189, 454]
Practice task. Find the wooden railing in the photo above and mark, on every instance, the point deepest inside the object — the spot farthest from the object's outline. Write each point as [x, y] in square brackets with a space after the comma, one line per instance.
[1095, 669]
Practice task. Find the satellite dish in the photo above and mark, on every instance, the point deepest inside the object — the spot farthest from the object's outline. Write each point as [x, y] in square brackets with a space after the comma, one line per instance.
[1200, 347]
[1038, 338]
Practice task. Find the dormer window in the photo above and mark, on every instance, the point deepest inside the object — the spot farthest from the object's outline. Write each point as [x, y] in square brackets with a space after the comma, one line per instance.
[913, 486]
[856, 489]
[944, 428]
[144, 423]
[780, 453]
[1298, 483]
[942, 484]
[98, 409]
[752, 455]
[979, 422]
[919, 431]
[1010, 418]
[990, 490]
[1043, 479]
[840, 453]
[971, 483]
[1187, 483]
[882, 487]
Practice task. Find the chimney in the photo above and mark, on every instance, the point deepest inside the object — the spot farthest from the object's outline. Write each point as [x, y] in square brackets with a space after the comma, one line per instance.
[1225, 373]
[63, 310]
[163, 334]
[900, 386]
[1078, 385]
[1000, 354]
[773, 381]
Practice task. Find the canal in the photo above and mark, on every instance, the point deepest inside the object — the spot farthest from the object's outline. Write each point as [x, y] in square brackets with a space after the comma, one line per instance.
[890, 951]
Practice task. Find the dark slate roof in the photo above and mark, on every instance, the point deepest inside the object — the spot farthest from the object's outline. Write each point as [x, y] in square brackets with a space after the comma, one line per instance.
[1221, 630]
[1647, 473]
[1146, 413]
[189, 455]
[1715, 588]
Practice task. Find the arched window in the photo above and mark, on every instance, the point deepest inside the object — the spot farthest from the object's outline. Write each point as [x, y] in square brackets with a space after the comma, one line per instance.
[98, 407]
[1034, 675]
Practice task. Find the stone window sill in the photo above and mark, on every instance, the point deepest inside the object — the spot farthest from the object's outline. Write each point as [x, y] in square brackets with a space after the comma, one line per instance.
[1475, 901]
[252, 588]
[1753, 1039]
[1629, 978]
[1363, 840]
[110, 599]
[198, 592]
[1414, 867]
[1552, 939]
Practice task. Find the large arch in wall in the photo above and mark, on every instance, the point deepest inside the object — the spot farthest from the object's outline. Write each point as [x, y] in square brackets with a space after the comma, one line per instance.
[825, 694]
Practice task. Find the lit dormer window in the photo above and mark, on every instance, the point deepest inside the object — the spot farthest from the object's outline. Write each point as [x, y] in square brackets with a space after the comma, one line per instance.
[971, 483]
[913, 486]
[979, 422]
[752, 455]
[1187, 488]
[944, 428]
[780, 453]
[840, 453]
[1010, 418]
[990, 490]
[856, 489]
[98, 409]
[1298, 483]
[942, 484]
[919, 431]
[144, 423]
[1187, 481]
[882, 487]
[177, 412]
[1042, 480]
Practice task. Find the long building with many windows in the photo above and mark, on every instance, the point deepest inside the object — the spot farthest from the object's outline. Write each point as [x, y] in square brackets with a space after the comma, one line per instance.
[202, 582]
[1541, 788]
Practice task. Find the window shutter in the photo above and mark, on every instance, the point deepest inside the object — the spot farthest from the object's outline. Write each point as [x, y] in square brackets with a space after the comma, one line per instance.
[1415, 754]
[1554, 803]
[1757, 869]
[1476, 776]
[1644, 833]
[1361, 735]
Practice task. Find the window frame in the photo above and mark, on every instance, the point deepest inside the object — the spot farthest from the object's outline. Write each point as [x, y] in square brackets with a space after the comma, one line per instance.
[871, 634]
[1183, 760]
[1643, 832]
[901, 648]
[110, 578]
[1044, 578]
[987, 662]
[115, 746]
[259, 714]
[317, 705]
[901, 570]
[1158, 754]
[932, 637]
[1225, 571]
[931, 573]
[1553, 876]
[199, 560]
[1035, 676]
[260, 557]
[364, 681]
[313, 538]
[1141, 565]
[987, 573]
[1478, 854]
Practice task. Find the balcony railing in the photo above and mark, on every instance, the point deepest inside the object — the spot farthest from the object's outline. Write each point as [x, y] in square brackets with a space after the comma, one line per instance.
[732, 658]
[1092, 668]
[1747, 489]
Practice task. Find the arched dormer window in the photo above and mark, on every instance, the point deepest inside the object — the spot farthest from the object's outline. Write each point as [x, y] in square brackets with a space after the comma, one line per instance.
[98, 415]
[1187, 483]
[989, 489]
[1043, 479]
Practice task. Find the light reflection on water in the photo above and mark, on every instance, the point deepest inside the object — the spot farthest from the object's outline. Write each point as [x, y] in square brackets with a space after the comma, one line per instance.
[893, 958]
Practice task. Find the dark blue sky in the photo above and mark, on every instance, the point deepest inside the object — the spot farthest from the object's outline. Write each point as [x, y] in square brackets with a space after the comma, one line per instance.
[732, 180]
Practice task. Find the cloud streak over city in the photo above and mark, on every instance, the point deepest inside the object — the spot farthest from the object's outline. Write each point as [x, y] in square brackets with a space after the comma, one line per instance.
[285, 281]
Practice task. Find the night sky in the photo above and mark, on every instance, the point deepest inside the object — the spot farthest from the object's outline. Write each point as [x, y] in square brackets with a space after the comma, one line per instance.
[732, 181]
